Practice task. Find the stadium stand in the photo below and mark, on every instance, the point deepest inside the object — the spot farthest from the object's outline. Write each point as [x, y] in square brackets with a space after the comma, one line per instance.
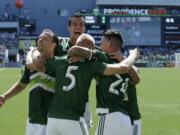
[144, 32]
[9, 38]
[153, 56]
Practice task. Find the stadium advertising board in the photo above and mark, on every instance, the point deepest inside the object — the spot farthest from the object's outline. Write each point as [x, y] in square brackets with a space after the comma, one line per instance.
[139, 10]
[144, 25]
[96, 30]
[171, 30]
[138, 31]
[128, 11]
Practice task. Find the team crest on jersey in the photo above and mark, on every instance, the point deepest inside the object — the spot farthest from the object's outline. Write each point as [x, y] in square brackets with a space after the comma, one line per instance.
[64, 42]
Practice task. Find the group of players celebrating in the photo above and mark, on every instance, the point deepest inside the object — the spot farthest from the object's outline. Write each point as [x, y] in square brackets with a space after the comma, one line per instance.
[59, 72]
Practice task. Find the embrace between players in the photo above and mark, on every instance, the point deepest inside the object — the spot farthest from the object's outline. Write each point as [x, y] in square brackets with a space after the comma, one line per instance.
[58, 97]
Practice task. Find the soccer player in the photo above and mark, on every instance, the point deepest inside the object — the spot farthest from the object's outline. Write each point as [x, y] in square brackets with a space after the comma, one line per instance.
[71, 92]
[76, 26]
[42, 87]
[112, 90]
[131, 101]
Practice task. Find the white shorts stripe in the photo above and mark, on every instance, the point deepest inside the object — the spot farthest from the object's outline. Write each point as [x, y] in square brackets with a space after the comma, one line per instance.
[101, 124]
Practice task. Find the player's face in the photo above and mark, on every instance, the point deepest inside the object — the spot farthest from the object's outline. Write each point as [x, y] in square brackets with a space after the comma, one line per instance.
[76, 28]
[44, 42]
[105, 45]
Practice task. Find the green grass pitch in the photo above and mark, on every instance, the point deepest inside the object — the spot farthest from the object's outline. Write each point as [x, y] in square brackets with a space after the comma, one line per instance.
[158, 96]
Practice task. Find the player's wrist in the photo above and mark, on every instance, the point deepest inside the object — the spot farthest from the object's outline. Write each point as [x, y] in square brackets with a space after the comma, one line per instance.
[4, 97]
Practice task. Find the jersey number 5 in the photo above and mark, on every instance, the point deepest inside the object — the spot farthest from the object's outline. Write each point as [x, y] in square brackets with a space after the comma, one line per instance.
[70, 76]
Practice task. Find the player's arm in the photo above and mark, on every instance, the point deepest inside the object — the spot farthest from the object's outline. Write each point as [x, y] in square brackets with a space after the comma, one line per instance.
[133, 72]
[14, 90]
[17, 87]
[77, 53]
[123, 66]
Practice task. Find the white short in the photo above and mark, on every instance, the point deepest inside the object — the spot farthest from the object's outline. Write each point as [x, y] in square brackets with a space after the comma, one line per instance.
[115, 123]
[136, 127]
[35, 129]
[88, 116]
[66, 127]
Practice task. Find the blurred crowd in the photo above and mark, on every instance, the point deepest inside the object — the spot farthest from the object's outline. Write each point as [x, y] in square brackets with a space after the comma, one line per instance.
[8, 17]
[9, 40]
[153, 54]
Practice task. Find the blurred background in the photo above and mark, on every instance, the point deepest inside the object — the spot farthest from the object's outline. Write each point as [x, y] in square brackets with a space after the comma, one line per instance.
[152, 25]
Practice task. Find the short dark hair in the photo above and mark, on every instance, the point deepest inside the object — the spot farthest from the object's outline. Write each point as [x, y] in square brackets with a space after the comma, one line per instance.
[114, 34]
[76, 15]
[55, 39]
[111, 33]
[53, 35]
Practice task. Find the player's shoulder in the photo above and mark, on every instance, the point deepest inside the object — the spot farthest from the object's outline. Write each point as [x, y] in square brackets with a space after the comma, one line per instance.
[56, 61]
[60, 58]
[63, 38]
[64, 45]
[101, 55]
[64, 41]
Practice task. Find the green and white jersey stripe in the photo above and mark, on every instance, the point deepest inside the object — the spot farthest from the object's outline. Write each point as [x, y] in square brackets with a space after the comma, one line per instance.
[40, 79]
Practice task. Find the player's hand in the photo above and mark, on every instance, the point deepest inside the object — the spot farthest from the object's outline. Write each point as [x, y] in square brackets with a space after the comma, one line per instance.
[75, 59]
[118, 56]
[135, 52]
[2, 100]
[40, 61]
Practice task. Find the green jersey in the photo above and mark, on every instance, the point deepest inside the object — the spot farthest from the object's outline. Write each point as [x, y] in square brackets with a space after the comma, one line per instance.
[129, 97]
[40, 96]
[132, 104]
[63, 47]
[111, 91]
[72, 85]
[100, 55]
